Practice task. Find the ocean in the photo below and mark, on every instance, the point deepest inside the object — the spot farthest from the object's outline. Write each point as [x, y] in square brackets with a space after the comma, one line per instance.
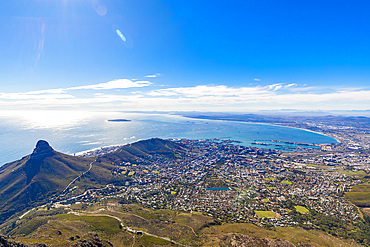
[71, 132]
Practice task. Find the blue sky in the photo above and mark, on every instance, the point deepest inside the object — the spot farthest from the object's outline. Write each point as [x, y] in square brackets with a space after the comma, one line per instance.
[184, 55]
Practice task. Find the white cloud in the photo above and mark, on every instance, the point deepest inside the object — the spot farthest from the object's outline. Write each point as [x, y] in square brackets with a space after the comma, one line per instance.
[257, 79]
[116, 84]
[42, 94]
[202, 97]
[153, 76]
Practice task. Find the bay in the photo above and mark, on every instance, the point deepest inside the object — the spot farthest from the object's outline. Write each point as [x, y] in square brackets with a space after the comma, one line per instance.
[72, 132]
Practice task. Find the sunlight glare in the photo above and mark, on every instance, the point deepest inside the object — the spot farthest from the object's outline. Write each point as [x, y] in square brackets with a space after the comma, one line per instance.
[50, 119]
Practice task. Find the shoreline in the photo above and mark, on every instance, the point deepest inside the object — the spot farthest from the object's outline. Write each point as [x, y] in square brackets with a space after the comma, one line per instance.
[271, 124]
[98, 151]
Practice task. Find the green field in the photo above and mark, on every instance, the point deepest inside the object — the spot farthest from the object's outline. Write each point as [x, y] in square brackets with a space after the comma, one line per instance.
[361, 199]
[359, 194]
[301, 209]
[286, 182]
[263, 214]
[271, 188]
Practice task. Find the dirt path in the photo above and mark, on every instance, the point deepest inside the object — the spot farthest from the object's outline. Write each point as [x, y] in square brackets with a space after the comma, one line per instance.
[128, 228]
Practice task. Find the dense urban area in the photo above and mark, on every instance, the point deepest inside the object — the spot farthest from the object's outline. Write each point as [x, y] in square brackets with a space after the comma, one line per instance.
[323, 187]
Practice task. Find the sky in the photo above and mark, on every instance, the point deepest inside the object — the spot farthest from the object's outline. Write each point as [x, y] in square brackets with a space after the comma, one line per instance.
[210, 55]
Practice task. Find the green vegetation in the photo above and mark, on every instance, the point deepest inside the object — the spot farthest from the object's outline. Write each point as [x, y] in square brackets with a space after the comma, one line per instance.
[296, 235]
[286, 182]
[192, 229]
[29, 226]
[154, 240]
[360, 194]
[361, 199]
[301, 209]
[104, 224]
[267, 214]
[271, 188]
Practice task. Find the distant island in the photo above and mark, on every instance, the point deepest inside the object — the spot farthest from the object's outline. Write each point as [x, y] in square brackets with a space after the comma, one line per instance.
[119, 120]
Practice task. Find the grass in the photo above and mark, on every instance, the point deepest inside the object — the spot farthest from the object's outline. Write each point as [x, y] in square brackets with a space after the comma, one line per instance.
[361, 199]
[359, 194]
[286, 182]
[265, 214]
[301, 209]
[103, 224]
[154, 240]
[30, 226]
[173, 224]
[271, 188]
[295, 235]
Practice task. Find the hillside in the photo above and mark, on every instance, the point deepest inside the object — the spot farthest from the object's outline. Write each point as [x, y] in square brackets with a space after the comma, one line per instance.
[100, 223]
[140, 149]
[36, 178]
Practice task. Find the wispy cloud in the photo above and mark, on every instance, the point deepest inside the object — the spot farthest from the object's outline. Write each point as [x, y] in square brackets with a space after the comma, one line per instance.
[257, 79]
[116, 84]
[153, 76]
[201, 97]
[40, 94]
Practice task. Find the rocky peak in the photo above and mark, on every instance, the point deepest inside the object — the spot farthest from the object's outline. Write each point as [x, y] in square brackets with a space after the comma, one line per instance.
[42, 148]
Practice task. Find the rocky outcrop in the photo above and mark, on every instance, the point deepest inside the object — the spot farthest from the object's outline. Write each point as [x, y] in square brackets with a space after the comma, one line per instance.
[239, 240]
[91, 240]
[42, 149]
[4, 242]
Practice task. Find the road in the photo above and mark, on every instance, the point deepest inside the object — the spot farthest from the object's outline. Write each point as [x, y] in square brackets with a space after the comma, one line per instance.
[128, 228]
[74, 180]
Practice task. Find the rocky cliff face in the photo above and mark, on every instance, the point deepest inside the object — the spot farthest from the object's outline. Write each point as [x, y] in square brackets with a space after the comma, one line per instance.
[42, 149]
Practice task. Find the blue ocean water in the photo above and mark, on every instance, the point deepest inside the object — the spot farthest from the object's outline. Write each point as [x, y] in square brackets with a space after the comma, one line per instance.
[72, 132]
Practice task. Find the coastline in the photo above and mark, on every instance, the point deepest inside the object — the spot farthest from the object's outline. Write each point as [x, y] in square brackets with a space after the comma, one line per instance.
[271, 124]
[98, 151]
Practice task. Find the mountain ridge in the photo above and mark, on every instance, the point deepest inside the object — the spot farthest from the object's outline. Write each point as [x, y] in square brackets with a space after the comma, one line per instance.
[44, 173]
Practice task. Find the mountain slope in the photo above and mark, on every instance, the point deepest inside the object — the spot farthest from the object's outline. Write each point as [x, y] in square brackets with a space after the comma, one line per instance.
[35, 177]
[142, 149]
